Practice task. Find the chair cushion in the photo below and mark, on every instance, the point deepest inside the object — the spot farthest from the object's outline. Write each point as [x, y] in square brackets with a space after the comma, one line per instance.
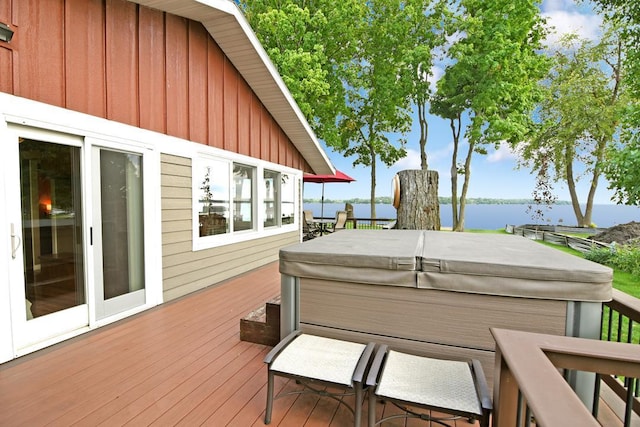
[431, 382]
[320, 358]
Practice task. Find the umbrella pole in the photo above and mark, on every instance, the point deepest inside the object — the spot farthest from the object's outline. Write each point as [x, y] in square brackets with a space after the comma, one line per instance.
[322, 203]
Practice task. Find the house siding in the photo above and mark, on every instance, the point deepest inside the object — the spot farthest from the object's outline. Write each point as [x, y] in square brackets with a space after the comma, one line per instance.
[116, 75]
[184, 270]
[135, 65]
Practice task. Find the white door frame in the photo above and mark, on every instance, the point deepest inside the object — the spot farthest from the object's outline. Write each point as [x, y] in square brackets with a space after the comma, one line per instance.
[6, 334]
[48, 123]
[133, 300]
[29, 335]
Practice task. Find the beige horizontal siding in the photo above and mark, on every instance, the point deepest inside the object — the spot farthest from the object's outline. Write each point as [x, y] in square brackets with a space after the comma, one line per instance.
[185, 271]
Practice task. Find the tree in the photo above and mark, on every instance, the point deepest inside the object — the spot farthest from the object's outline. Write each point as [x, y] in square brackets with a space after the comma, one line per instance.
[578, 118]
[622, 172]
[491, 81]
[622, 166]
[377, 101]
[310, 43]
[426, 34]
[342, 62]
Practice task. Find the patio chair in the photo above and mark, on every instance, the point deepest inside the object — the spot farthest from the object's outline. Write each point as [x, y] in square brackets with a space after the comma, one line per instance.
[309, 229]
[414, 383]
[317, 361]
[340, 222]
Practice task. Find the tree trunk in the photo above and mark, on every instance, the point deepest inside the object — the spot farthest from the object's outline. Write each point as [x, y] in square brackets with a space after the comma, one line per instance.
[419, 207]
[459, 225]
[571, 185]
[424, 133]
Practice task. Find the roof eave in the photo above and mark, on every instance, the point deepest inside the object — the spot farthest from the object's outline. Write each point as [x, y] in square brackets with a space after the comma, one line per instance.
[228, 26]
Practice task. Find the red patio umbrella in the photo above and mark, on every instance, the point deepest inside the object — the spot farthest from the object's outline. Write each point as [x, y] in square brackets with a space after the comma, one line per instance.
[338, 177]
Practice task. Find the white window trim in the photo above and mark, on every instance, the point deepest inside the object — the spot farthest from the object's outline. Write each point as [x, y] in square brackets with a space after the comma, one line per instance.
[259, 231]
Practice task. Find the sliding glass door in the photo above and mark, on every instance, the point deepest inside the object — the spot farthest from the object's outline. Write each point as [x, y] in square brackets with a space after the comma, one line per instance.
[55, 291]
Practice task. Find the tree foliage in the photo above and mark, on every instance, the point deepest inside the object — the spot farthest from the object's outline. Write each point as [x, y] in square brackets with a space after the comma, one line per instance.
[622, 166]
[308, 43]
[492, 80]
[622, 169]
[378, 105]
[426, 37]
[346, 64]
[579, 116]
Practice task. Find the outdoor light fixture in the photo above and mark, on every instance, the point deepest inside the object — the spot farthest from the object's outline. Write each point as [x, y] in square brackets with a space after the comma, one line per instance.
[6, 33]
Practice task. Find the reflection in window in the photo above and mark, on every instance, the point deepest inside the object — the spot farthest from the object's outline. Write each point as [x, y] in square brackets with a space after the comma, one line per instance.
[51, 195]
[288, 191]
[213, 201]
[271, 198]
[243, 178]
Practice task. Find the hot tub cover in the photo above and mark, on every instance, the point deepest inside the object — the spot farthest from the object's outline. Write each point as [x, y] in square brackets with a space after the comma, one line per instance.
[389, 257]
[511, 266]
[491, 264]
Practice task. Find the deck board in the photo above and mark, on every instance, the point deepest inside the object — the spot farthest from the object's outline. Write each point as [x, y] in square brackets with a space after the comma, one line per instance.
[181, 363]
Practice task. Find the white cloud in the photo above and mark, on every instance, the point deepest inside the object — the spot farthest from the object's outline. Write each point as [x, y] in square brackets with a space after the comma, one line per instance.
[435, 158]
[503, 153]
[553, 5]
[411, 161]
[562, 22]
[436, 74]
[443, 154]
[565, 16]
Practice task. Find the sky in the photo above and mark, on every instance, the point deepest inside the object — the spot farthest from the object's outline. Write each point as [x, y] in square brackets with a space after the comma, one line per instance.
[494, 175]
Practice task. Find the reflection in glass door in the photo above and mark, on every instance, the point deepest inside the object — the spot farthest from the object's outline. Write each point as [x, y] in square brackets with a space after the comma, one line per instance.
[119, 234]
[51, 227]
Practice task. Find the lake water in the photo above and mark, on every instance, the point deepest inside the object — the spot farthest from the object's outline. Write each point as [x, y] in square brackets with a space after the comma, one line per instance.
[497, 216]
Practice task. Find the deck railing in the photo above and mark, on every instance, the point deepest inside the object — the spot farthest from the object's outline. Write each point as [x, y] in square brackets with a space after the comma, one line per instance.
[578, 243]
[367, 223]
[621, 323]
[528, 368]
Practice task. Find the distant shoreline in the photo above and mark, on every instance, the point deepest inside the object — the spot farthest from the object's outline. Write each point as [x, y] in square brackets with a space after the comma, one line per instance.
[442, 201]
[492, 216]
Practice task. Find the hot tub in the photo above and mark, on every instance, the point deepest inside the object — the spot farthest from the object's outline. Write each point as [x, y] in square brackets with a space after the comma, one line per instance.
[438, 293]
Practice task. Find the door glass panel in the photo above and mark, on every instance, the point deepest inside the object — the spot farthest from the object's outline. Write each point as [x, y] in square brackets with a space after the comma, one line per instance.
[122, 223]
[51, 227]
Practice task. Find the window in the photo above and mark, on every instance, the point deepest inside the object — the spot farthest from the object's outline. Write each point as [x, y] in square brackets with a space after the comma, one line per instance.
[236, 200]
[288, 191]
[243, 195]
[271, 198]
[212, 179]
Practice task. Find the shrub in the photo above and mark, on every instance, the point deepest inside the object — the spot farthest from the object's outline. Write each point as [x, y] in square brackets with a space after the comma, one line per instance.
[627, 258]
[624, 258]
[600, 255]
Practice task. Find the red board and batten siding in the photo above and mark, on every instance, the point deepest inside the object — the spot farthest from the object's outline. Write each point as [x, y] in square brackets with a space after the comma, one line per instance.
[139, 66]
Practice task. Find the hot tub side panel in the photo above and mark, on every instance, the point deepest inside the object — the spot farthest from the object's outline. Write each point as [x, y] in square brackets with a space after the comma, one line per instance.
[432, 322]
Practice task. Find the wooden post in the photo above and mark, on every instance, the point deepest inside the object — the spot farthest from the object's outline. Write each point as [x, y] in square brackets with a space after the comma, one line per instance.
[418, 207]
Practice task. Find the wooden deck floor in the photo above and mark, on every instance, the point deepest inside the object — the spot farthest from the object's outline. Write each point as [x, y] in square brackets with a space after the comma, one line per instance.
[179, 364]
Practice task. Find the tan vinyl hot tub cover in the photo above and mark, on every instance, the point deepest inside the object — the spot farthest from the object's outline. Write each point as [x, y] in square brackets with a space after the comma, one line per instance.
[509, 266]
[491, 264]
[388, 257]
